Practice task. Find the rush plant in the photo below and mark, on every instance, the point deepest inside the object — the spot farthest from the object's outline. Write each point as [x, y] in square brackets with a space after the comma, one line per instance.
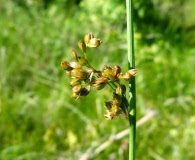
[84, 77]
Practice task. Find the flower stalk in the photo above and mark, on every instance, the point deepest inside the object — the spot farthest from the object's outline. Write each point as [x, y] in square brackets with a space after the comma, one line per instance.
[132, 88]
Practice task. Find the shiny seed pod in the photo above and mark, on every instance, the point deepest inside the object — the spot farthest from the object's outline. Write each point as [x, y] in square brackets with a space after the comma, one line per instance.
[101, 80]
[94, 42]
[85, 91]
[116, 70]
[125, 76]
[77, 89]
[99, 86]
[88, 37]
[132, 72]
[100, 83]
[75, 65]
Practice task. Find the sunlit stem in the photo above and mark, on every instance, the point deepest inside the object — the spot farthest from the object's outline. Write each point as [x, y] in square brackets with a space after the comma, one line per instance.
[132, 89]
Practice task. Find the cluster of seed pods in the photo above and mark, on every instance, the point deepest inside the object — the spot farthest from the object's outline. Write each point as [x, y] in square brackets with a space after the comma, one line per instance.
[84, 78]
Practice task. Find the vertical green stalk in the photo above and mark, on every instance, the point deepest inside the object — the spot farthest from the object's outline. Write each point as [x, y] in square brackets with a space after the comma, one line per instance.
[132, 89]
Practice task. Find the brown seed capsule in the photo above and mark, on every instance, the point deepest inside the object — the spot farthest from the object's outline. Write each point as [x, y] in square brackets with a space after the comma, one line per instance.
[100, 83]
[82, 46]
[65, 65]
[85, 91]
[132, 72]
[125, 76]
[116, 70]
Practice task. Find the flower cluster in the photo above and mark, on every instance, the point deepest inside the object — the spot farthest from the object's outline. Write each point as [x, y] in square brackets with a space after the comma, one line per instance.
[84, 77]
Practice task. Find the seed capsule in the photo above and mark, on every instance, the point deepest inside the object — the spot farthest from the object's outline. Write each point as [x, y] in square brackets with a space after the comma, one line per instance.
[94, 42]
[100, 83]
[88, 37]
[82, 46]
[65, 65]
[120, 90]
[79, 74]
[77, 89]
[132, 72]
[116, 70]
[116, 99]
[74, 82]
[85, 91]
[75, 65]
[73, 54]
[125, 76]
[82, 61]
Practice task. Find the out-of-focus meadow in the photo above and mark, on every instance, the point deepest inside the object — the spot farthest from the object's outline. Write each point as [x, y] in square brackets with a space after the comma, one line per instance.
[39, 119]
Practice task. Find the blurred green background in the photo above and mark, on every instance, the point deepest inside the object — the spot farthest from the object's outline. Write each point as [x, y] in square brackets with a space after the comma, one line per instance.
[39, 120]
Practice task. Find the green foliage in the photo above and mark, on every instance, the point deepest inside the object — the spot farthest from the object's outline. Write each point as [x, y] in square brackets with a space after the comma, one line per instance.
[38, 118]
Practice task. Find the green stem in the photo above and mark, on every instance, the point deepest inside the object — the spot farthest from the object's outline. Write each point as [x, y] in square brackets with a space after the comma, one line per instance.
[132, 89]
